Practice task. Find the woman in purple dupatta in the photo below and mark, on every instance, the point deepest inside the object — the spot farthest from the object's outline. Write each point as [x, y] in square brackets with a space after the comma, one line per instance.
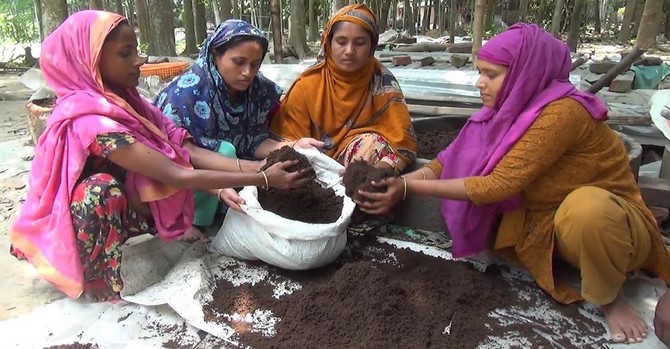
[536, 175]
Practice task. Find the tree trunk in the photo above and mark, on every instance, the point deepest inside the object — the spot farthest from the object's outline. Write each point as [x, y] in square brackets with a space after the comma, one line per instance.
[236, 9]
[649, 24]
[276, 31]
[96, 5]
[384, 15]
[226, 9]
[38, 18]
[425, 22]
[337, 4]
[556, 19]
[161, 38]
[478, 28]
[598, 25]
[200, 20]
[417, 16]
[313, 27]
[189, 28]
[143, 22]
[575, 25]
[490, 14]
[297, 36]
[119, 7]
[638, 16]
[393, 11]
[628, 14]
[452, 21]
[217, 11]
[130, 13]
[243, 11]
[667, 25]
[352, 2]
[539, 17]
[54, 12]
[408, 19]
[523, 10]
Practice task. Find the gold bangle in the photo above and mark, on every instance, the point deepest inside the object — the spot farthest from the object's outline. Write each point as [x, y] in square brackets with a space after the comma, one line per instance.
[218, 195]
[239, 166]
[404, 191]
[267, 185]
[423, 173]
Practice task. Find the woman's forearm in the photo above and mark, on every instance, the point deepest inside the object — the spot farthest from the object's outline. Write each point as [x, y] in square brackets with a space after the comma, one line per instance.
[267, 146]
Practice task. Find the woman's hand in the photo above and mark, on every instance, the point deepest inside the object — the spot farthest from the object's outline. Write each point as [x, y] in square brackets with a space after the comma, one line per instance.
[308, 143]
[277, 176]
[381, 203]
[230, 197]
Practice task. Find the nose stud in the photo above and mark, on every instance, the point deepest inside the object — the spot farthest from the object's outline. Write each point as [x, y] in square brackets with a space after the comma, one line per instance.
[354, 52]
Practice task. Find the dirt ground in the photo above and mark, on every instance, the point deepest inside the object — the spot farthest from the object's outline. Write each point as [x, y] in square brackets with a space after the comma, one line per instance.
[22, 290]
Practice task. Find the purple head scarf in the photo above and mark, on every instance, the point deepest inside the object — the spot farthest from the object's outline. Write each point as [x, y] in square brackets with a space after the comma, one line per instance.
[538, 74]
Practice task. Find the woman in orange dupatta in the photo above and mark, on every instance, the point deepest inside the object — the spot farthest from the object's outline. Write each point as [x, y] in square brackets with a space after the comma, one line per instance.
[348, 99]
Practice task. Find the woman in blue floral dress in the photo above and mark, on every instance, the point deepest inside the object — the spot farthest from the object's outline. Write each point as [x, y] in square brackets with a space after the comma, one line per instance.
[226, 104]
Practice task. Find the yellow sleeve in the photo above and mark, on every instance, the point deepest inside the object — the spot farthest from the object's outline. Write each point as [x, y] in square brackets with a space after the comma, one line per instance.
[436, 166]
[292, 121]
[556, 129]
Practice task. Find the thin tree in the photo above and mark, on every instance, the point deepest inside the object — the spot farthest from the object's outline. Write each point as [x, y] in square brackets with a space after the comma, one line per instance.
[575, 25]
[298, 37]
[143, 21]
[226, 9]
[236, 9]
[336, 5]
[384, 8]
[478, 27]
[425, 24]
[119, 7]
[217, 11]
[352, 2]
[667, 24]
[54, 12]
[276, 31]
[313, 30]
[130, 11]
[598, 26]
[556, 19]
[161, 38]
[523, 10]
[189, 28]
[96, 5]
[437, 20]
[38, 17]
[200, 18]
[490, 14]
[539, 17]
[628, 14]
[649, 24]
[452, 21]
[408, 19]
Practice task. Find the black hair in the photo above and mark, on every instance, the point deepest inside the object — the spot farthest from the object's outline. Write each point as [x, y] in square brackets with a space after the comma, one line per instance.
[337, 25]
[115, 32]
[238, 40]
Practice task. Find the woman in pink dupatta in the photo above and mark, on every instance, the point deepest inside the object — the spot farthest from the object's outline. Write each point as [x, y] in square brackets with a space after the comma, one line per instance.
[110, 165]
[537, 176]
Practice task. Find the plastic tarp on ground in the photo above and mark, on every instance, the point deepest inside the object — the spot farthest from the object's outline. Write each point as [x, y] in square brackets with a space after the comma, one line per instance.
[170, 310]
[649, 77]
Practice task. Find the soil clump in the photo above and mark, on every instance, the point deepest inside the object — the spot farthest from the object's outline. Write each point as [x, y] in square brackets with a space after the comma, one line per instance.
[360, 175]
[431, 143]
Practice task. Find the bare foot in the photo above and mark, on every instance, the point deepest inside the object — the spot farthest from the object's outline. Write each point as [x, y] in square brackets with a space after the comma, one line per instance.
[624, 322]
[193, 234]
[99, 291]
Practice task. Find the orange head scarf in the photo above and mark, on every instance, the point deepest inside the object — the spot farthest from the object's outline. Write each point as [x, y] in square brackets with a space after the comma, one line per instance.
[334, 106]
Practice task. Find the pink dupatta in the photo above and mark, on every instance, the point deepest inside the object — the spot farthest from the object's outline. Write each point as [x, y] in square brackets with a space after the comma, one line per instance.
[44, 233]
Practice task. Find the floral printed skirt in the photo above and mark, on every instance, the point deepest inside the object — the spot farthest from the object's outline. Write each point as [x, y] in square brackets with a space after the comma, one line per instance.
[103, 220]
[373, 148]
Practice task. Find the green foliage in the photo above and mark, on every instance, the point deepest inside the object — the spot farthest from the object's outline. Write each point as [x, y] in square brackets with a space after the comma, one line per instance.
[18, 22]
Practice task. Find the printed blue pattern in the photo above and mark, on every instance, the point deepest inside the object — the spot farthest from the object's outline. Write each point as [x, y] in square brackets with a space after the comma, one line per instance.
[199, 99]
